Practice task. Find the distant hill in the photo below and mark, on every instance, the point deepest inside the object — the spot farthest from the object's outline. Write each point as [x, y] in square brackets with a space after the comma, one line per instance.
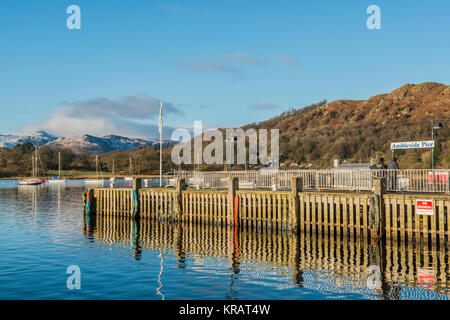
[362, 130]
[38, 139]
[89, 143]
[98, 145]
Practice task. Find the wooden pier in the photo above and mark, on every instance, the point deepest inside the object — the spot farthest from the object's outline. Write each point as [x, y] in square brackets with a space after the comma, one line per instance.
[350, 215]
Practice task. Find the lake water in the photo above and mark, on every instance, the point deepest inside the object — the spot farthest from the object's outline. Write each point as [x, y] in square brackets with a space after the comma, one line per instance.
[42, 232]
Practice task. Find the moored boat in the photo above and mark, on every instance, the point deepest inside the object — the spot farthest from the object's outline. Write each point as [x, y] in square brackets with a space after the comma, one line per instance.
[98, 180]
[34, 180]
[57, 180]
[31, 182]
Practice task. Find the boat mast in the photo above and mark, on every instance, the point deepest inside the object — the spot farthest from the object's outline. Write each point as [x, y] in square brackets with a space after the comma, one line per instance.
[35, 164]
[59, 165]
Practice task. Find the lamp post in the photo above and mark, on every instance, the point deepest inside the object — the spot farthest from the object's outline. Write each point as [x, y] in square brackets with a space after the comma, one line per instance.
[434, 127]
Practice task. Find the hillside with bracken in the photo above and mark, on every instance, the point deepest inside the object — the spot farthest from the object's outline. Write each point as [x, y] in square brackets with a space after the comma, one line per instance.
[362, 130]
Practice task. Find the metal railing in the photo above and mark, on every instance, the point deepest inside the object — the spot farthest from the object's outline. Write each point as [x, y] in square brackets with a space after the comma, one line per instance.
[404, 180]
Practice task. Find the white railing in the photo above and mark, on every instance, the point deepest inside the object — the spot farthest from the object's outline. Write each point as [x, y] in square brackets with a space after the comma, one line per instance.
[404, 180]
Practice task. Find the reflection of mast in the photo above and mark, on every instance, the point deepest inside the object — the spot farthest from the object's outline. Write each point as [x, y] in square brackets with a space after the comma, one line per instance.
[59, 200]
[158, 290]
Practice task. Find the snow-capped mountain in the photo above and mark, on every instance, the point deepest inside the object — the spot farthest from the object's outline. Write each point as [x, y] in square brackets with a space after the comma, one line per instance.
[98, 145]
[38, 139]
[92, 144]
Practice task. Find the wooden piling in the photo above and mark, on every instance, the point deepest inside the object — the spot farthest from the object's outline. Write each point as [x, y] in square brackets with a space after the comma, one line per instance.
[379, 185]
[294, 214]
[178, 199]
[233, 185]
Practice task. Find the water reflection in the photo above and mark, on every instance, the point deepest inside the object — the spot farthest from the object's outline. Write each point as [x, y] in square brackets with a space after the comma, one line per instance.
[333, 267]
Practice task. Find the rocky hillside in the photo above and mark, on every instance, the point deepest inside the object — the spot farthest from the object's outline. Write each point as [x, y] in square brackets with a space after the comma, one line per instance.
[362, 130]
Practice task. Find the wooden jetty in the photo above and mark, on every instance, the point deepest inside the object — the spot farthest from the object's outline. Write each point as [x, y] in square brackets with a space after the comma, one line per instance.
[327, 212]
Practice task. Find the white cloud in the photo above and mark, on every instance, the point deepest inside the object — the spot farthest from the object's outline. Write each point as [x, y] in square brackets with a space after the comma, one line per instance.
[128, 116]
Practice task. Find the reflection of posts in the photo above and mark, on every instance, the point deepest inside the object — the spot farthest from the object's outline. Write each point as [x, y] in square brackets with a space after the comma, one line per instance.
[136, 231]
[178, 242]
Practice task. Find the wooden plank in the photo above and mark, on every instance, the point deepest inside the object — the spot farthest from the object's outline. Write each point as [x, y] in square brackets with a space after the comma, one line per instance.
[344, 214]
[409, 217]
[402, 219]
[308, 213]
[331, 220]
[319, 214]
[313, 216]
[425, 229]
[441, 222]
[301, 200]
[394, 220]
[352, 217]
[365, 217]
[279, 219]
[338, 213]
[387, 205]
[433, 223]
[448, 218]
[358, 217]
[264, 211]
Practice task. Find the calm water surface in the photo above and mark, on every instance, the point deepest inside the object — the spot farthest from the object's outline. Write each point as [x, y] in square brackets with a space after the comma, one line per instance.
[42, 232]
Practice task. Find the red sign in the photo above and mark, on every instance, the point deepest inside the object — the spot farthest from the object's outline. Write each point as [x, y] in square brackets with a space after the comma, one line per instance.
[437, 177]
[424, 207]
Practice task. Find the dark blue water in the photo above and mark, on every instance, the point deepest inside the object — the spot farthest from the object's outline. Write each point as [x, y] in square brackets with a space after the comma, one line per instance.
[43, 232]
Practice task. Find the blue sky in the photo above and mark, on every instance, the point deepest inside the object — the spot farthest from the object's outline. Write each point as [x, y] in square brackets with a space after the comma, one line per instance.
[226, 63]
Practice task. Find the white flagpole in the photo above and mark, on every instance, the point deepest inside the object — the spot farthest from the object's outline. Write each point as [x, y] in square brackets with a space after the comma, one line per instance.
[160, 144]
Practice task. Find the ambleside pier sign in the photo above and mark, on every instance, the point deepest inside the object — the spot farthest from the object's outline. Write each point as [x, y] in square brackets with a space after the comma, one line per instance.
[412, 145]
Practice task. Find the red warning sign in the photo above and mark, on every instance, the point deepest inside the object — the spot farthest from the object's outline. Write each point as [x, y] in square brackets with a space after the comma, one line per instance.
[424, 207]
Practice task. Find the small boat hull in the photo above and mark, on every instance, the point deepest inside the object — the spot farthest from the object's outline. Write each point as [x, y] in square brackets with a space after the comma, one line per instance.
[30, 182]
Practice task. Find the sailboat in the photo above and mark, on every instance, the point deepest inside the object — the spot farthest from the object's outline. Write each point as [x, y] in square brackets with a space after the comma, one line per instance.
[130, 177]
[98, 180]
[112, 179]
[34, 180]
[57, 179]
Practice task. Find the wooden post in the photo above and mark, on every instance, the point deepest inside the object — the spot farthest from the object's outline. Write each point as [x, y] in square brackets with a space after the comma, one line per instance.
[379, 188]
[178, 204]
[233, 185]
[89, 208]
[137, 185]
[294, 215]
